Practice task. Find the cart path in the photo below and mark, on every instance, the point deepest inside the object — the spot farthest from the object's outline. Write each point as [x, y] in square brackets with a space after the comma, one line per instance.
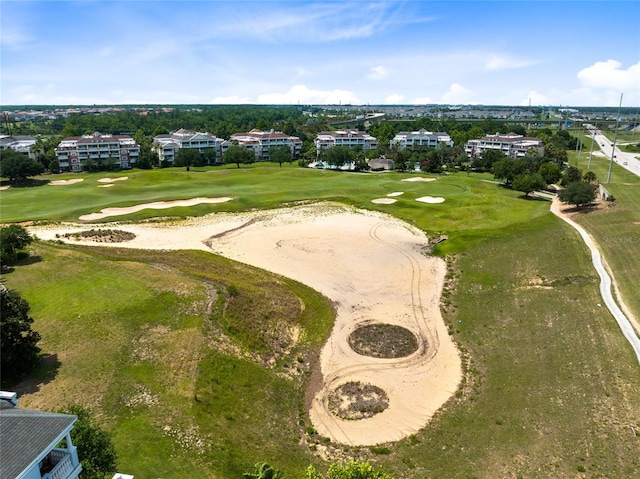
[606, 282]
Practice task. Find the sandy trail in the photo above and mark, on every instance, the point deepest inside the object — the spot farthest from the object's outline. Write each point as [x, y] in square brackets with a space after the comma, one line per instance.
[372, 266]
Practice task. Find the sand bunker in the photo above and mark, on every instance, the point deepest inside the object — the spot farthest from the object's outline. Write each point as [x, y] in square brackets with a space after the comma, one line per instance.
[372, 266]
[430, 199]
[5, 187]
[384, 201]
[396, 193]
[65, 182]
[419, 178]
[106, 212]
[111, 180]
[105, 186]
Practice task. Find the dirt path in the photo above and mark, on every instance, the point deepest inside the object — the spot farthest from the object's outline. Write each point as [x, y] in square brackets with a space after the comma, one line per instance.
[606, 282]
[373, 267]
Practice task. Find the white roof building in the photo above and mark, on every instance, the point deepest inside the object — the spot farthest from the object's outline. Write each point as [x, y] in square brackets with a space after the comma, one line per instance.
[511, 144]
[421, 138]
[260, 142]
[167, 146]
[348, 138]
[71, 151]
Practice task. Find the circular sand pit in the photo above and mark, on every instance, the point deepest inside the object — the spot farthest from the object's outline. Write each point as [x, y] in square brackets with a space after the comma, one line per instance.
[384, 201]
[430, 199]
[355, 400]
[383, 341]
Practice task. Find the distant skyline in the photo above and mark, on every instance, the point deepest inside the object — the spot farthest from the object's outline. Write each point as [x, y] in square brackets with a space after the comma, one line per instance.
[583, 53]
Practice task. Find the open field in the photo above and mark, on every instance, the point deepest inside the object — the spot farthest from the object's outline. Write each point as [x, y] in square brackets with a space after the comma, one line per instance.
[550, 390]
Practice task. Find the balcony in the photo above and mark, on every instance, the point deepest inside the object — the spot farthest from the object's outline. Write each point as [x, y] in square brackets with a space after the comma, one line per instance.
[61, 464]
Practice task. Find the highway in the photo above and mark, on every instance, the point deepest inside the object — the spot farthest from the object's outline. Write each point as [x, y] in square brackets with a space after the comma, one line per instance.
[627, 161]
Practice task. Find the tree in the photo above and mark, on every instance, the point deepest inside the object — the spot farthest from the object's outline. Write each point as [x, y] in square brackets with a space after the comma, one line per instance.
[337, 156]
[188, 157]
[550, 172]
[238, 154]
[571, 175]
[18, 166]
[589, 177]
[210, 155]
[507, 170]
[18, 342]
[280, 154]
[353, 470]
[13, 239]
[578, 193]
[528, 183]
[95, 449]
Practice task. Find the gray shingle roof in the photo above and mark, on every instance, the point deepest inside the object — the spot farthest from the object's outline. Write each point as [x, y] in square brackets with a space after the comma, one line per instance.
[26, 436]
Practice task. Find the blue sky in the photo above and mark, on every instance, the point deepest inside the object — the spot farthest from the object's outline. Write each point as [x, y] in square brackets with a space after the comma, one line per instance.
[358, 52]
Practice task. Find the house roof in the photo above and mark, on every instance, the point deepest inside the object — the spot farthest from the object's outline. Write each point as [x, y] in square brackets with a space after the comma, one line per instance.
[26, 436]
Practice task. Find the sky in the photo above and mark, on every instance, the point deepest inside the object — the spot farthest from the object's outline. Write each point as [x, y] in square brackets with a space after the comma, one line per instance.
[543, 53]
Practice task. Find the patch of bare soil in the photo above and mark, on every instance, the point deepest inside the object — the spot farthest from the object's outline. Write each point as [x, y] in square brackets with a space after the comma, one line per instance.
[99, 236]
[383, 341]
[355, 400]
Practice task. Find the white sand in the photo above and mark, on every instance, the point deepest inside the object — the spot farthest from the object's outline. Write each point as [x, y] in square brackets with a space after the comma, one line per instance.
[430, 199]
[396, 193]
[106, 212]
[111, 180]
[105, 186]
[384, 201]
[372, 267]
[5, 187]
[419, 178]
[65, 182]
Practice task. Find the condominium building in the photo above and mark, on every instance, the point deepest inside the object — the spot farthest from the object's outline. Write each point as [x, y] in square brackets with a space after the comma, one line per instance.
[167, 146]
[72, 151]
[420, 139]
[511, 144]
[21, 144]
[349, 138]
[35, 444]
[260, 141]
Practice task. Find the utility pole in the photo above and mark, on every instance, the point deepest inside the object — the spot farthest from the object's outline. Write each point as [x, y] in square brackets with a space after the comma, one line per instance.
[615, 138]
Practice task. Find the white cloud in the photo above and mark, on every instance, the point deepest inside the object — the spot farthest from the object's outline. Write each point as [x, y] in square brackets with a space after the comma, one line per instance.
[302, 94]
[457, 94]
[497, 62]
[378, 72]
[394, 99]
[610, 76]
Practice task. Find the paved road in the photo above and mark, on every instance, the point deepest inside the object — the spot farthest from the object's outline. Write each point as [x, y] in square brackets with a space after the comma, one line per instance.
[605, 282]
[627, 161]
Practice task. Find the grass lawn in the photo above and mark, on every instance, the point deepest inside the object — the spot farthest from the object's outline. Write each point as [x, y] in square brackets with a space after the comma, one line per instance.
[178, 354]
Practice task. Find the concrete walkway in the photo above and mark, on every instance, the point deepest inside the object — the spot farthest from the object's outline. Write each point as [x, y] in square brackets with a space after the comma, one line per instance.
[605, 281]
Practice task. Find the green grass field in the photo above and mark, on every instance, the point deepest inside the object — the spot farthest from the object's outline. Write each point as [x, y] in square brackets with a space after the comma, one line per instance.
[191, 377]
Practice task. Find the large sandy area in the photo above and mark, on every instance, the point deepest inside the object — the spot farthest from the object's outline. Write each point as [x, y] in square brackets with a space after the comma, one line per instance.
[373, 267]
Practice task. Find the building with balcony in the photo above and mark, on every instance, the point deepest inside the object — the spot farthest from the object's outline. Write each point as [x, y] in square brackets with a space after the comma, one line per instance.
[21, 144]
[511, 144]
[121, 150]
[260, 141]
[35, 444]
[349, 138]
[167, 146]
[420, 139]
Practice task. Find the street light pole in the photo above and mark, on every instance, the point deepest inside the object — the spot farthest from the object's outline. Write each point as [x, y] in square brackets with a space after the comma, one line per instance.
[593, 140]
[615, 138]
